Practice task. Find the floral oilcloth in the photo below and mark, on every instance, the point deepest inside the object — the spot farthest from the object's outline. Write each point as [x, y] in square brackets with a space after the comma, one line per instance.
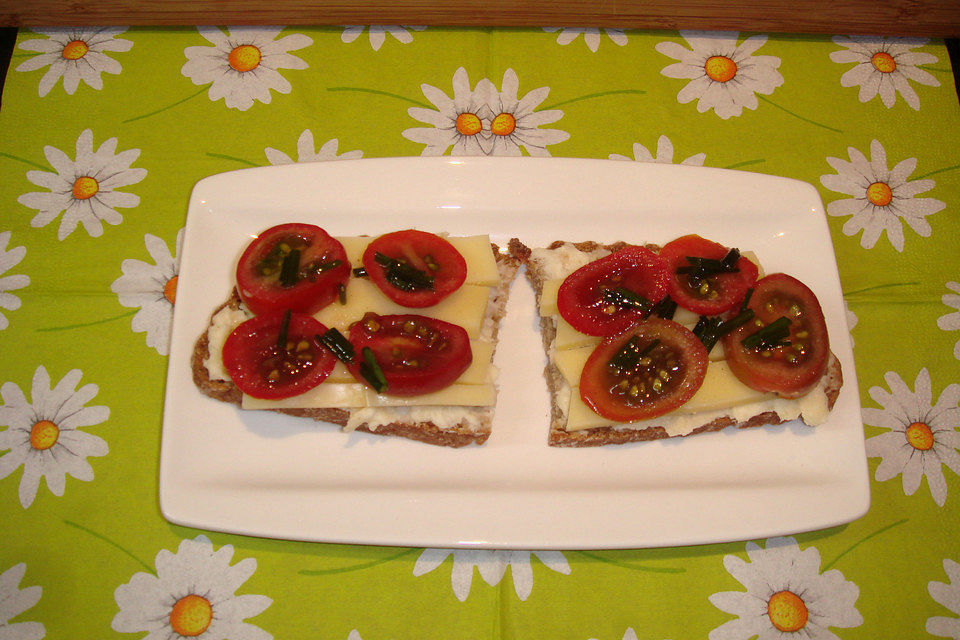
[105, 132]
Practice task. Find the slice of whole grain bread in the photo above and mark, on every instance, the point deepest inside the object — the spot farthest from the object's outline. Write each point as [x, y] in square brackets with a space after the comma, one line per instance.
[474, 428]
[620, 434]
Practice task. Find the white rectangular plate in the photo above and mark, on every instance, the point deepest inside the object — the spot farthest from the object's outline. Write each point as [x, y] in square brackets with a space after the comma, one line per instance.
[264, 474]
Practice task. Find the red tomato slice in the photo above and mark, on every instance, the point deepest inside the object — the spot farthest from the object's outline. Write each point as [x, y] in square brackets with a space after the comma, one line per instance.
[645, 372]
[790, 370]
[584, 297]
[262, 368]
[417, 354]
[414, 268]
[706, 292]
[313, 277]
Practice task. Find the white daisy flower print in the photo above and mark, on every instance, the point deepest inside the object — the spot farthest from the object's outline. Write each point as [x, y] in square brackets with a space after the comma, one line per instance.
[591, 36]
[515, 122]
[724, 75]
[664, 154]
[629, 634]
[8, 260]
[193, 594]
[461, 122]
[491, 565]
[880, 197]
[153, 289]
[44, 434]
[74, 54]
[14, 601]
[85, 190]
[852, 320]
[885, 67]
[378, 34]
[947, 594]
[921, 437]
[950, 321]
[242, 65]
[786, 595]
[306, 151]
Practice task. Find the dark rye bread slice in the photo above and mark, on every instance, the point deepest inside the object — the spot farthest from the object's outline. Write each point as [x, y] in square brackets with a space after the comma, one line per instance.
[560, 437]
[459, 435]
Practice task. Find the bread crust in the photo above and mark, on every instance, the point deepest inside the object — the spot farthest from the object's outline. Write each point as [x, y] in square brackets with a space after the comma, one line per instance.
[599, 436]
[460, 435]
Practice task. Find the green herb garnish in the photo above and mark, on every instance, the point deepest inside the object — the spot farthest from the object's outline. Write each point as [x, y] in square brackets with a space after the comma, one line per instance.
[284, 330]
[665, 309]
[402, 275]
[702, 268]
[770, 337]
[290, 269]
[371, 371]
[628, 356]
[625, 299]
[360, 272]
[337, 344]
[711, 329]
[342, 293]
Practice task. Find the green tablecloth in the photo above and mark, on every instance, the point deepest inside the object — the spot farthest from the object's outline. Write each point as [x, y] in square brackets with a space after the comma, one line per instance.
[105, 131]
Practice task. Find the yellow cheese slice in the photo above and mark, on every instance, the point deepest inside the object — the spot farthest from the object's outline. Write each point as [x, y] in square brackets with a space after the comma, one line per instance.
[465, 307]
[720, 390]
[327, 394]
[476, 373]
[464, 395]
[569, 338]
[481, 263]
[548, 297]
[571, 361]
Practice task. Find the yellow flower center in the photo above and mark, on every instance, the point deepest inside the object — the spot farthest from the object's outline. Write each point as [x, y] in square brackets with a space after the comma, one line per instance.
[43, 435]
[787, 611]
[720, 68]
[880, 194]
[504, 124]
[883, 62]
[246, 57]
[170, 290]
[75, 50]
[191, 615]
[85, 187]
[920, 436]
[468, 124]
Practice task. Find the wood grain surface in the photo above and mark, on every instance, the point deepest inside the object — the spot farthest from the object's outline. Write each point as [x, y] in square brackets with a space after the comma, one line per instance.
[938, 18]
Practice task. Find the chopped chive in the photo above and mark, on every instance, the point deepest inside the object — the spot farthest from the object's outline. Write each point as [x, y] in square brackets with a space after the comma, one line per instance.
[702, 268]
[626, 299]
[342, 293]
[284, 329]
[647, 349]
[289, 271]
[326, 266]
[371, 371]
[666, 308]
[403, 276]
[360, 272]
[770, 337]
[711, 329]
[337, 344]
[746, 299]
[629, 354]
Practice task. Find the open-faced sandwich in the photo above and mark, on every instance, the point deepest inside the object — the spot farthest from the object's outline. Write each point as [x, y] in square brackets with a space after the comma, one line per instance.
[648, 342]
[392, 335]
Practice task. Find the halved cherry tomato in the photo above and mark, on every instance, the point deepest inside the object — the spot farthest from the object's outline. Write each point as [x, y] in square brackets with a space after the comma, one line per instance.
[417, 354]
[790, 370]
[265, 365]
[594, 299]
[645, 372]
[292, 266]
[414, 268]
[698, 286]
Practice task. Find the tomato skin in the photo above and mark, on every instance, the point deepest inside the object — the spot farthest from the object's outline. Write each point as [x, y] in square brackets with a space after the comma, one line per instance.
[580, 300]
[779, 295]
[264, 293]
[429, 253]
[417, 354]
[248, 349]
[679, 353]
[727, 289]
